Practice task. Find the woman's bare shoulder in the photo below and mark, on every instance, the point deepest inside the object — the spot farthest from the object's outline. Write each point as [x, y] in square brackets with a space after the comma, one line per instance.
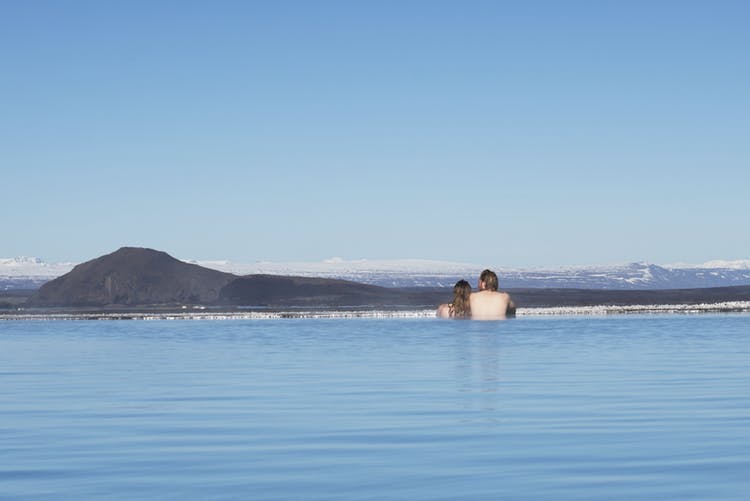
[444, 311]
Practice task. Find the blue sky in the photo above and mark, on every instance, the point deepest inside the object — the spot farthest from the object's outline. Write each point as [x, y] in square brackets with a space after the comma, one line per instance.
[510, 133]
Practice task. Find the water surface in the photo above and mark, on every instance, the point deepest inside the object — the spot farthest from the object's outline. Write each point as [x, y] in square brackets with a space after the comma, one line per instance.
[648, 407]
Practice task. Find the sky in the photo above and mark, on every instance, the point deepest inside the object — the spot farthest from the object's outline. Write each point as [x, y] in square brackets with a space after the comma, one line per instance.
[512, 133]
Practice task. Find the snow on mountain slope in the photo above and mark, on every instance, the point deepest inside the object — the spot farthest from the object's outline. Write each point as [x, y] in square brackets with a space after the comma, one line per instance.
[32, 267]
[631, 276]
[29, 272]
[738, 264]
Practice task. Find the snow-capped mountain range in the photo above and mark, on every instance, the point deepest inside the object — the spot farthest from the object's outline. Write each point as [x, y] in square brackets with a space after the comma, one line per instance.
[30, 273]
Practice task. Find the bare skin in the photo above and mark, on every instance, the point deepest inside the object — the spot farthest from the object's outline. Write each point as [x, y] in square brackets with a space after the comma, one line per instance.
[489, 305]
[444, 311]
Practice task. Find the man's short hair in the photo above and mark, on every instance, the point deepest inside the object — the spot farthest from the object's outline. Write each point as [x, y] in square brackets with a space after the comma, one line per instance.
[490, 280]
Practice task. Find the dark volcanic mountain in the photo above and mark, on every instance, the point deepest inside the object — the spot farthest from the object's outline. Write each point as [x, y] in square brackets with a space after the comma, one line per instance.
[133, 276]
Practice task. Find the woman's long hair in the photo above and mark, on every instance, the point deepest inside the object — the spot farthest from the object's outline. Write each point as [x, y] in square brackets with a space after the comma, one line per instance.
[460, 307]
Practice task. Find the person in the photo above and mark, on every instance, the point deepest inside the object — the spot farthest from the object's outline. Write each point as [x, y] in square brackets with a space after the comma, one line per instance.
[488, 303]
[460, 307]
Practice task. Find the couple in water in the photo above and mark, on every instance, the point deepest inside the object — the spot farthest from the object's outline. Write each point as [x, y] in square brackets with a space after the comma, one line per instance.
[487, 304]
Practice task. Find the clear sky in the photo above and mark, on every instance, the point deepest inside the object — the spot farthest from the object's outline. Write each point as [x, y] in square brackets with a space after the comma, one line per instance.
[511, 133]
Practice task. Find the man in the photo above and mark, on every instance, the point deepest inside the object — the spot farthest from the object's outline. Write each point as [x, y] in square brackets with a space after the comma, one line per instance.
[488, 303]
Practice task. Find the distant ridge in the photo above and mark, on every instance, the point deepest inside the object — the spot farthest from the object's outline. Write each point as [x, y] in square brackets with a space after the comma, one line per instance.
[141, 277]
[133, 276]
[31, 273]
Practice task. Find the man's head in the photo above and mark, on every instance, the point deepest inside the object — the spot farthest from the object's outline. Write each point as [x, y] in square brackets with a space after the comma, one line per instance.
[488, 281]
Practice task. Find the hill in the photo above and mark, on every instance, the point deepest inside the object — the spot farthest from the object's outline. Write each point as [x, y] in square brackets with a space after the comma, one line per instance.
[132, 276]
[273, 290]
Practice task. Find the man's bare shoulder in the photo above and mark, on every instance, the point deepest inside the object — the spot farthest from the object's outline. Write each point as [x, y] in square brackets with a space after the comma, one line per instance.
[489, 295]
[489, 305]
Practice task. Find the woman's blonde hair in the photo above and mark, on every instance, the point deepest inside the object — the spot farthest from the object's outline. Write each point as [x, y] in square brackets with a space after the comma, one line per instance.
[460, 307]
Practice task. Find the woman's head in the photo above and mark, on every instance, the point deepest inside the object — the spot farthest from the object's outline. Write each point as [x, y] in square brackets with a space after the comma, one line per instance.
[460, 308]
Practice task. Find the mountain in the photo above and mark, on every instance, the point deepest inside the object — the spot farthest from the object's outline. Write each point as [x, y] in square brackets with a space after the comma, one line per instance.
[634, 276]
[28, 273]
[132, 276]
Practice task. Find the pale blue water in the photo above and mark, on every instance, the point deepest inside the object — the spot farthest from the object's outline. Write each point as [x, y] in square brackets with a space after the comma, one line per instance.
[640, 407]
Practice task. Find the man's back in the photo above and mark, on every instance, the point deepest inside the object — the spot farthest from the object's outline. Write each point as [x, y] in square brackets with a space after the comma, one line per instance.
[489, 305]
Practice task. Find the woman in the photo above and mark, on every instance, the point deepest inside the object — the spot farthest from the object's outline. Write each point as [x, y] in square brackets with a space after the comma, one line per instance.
[460, 307]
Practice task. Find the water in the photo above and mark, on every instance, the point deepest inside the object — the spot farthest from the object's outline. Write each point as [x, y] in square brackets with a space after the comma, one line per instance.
[645, 407]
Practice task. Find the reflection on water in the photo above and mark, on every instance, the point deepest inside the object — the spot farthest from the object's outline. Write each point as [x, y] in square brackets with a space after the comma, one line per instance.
[559, 408]
[477, 370]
